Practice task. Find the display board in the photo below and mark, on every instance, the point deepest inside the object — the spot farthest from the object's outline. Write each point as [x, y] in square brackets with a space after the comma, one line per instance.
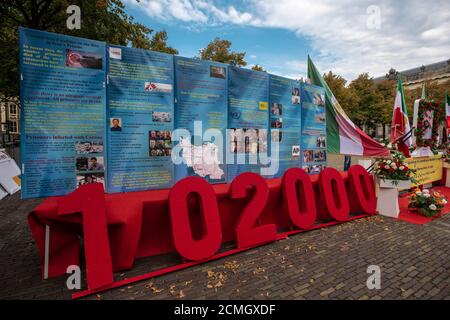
[140, 119]
[202, 109]
[285, 121]
[428, 169]
[313, 128]
[248, 120]
[135, 119]
[62, 96]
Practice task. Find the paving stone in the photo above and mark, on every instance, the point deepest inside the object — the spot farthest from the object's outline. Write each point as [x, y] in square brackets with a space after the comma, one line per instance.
[329, 263]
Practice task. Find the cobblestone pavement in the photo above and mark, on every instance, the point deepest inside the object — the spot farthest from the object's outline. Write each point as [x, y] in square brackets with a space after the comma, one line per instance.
[328, 263]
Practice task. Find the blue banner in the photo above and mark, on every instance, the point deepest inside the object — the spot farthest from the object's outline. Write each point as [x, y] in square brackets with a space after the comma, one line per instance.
[313, 141]
[247, 121]
[62, 96]
[201, 102]
[140, 118]
[285, 121]
[135, 119]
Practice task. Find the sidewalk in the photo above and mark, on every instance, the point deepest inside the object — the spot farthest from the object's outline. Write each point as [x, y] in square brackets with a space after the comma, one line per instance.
[327, 263]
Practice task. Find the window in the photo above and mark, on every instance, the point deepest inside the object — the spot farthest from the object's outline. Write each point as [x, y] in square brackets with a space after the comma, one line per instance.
[12, 109]
[13, 127]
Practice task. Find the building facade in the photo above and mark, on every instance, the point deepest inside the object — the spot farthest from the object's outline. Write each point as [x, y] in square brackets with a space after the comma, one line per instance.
[9, 122]
[413, 78]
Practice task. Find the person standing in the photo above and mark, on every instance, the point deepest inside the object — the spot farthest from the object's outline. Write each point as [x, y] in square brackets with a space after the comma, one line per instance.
[347, 162]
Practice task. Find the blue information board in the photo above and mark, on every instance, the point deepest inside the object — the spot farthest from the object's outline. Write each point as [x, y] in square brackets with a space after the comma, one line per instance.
[140, 118]
[201, 100]
[313, 139]
[62, 96]
[247, 120]
[136, 119]
[285, 121]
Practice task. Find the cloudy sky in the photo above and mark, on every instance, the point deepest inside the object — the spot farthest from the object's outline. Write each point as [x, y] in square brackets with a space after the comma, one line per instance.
[347, 37]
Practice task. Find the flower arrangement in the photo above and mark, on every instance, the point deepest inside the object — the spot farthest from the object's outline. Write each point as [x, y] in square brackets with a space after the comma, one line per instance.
[395, 168]
[427, 109]
[428, 204]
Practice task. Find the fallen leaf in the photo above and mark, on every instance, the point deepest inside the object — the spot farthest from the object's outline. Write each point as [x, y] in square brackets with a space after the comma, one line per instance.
[259, 270]
[172, 289]
[156, 290]
[231, 265]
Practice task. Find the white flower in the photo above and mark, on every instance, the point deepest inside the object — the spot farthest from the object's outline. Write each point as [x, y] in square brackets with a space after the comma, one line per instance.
[401, 167]
[388, 162]
[426, 195]
[393, 165]
[426, 191]
[419, 193]
[389, 145]
[444, 201]
[432, 207]
[405, 164]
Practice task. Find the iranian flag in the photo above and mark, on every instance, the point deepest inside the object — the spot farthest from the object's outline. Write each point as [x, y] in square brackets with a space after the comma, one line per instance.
[423, 96]
[400, 122]
[447, 110]
[343, 136]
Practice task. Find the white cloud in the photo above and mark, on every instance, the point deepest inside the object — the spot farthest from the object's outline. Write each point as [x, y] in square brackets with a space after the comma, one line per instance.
[411, 32]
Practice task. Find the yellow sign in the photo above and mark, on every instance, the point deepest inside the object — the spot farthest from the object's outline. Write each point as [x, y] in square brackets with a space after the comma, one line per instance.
[428, 169]
[16, 180]
[263, 105]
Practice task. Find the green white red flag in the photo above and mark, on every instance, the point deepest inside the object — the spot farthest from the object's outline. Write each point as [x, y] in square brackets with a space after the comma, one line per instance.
[423, 96]
[343, 136]
[400, 122]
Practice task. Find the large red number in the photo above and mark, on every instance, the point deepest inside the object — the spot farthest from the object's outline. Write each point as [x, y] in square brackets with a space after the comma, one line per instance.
[90, 201]
[361, 185]
[299, 197]
[246, 234]
[183, 239]
[332, 189]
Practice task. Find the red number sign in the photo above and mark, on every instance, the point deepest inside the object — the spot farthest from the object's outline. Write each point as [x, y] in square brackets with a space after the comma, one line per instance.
[334, 194]
[361, 185]
[299, 198]
[90, 201]
[246, 232]
[183, 240]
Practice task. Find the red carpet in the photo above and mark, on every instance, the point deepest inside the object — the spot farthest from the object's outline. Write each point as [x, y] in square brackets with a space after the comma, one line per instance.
[416, 218]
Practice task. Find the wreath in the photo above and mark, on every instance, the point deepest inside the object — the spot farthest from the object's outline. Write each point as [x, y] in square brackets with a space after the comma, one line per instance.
[424, 106]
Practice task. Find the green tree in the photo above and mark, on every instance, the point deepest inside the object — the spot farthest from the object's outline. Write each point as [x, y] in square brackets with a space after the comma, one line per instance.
[219, 50]
[368, 108]
[104, 20]
[386, 91]
[159, 43]
[257, 67]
